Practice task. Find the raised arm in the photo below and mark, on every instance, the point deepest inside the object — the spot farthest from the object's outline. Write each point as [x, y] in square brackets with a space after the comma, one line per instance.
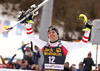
[76, 45]
[38, 42]
[12, 59]
[82, 43]
[23, 48]
[2, 59]
[31, 46]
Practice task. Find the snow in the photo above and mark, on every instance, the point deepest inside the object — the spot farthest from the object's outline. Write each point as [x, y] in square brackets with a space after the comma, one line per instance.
[10, 44]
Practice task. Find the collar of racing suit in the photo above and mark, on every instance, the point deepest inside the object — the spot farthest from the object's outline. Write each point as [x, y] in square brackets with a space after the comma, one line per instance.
[54, 41]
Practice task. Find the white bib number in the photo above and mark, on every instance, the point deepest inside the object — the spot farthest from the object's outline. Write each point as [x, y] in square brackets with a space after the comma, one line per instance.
[51, 59]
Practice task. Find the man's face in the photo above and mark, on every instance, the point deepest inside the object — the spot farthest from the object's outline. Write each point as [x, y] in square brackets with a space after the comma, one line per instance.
[89, 56]
[36, 48]
[98, 67]
[67, 65]
[52, 35]
[80, 67]
[28, 49]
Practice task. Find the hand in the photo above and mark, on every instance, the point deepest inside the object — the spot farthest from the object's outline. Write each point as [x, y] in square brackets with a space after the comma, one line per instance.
[28, 43]
[88, 24]
[19, 62]
[14, 54]
[73, 64]
[83, 17]
[30, 55]
[26, 63]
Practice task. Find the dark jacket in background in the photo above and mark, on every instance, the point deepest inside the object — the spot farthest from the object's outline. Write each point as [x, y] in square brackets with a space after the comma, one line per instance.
[34, 58]
[26, 57]
[88, 64]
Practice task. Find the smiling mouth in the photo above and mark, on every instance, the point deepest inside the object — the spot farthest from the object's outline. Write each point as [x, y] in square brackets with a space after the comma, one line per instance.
[51, 36]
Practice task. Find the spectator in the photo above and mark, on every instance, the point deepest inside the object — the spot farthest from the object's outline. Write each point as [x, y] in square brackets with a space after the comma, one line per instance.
[72, 67]
[66, 66]
[1, 66]
[23, 64]
[13, 65]
[35, 67]
[9, 62]
[98, 67]
[28, 53]
[88, 62]
[36, 55]
[80, 67]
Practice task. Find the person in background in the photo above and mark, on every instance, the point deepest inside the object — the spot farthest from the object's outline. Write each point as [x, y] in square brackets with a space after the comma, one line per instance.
[72, 67]
[36, 56]
[28, 53]
[80, 67]
[98, 67]
[66, 66]
[23, 64]
[88, 62]
[7, 65]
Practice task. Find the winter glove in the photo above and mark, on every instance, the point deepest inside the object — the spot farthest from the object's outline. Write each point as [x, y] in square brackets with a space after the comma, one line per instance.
[87, 22]
[88, 26]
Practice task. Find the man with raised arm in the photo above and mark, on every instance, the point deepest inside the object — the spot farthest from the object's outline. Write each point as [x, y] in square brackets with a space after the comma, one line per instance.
[55, 50]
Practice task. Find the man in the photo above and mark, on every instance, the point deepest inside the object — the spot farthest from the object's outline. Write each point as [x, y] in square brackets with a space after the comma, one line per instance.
[36, 55]
[98, 67]
[55, 51]
[80, 67]
[28, 53]
[66, 67]
[23, 64]
[88, 63]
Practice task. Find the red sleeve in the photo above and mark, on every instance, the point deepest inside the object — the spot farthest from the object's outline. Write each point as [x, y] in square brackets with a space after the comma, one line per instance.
[65, 51]
[42, 49]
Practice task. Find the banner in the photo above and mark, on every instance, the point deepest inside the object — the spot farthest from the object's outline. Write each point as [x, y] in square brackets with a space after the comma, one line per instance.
[19, 29]
[6, 25]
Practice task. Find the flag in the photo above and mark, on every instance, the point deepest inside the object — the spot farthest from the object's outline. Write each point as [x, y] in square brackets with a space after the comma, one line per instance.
[22, 45]
[1, 26]
[6, 25]
[19, 29]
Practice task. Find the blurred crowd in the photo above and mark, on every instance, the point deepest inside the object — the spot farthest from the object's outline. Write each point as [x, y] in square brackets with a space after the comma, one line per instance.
[86, 65]
[30, 61]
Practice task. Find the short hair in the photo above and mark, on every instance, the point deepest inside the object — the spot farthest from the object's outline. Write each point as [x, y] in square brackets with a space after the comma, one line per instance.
[66, 62]
[53, 28]
[98, 64]
[81, 63]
